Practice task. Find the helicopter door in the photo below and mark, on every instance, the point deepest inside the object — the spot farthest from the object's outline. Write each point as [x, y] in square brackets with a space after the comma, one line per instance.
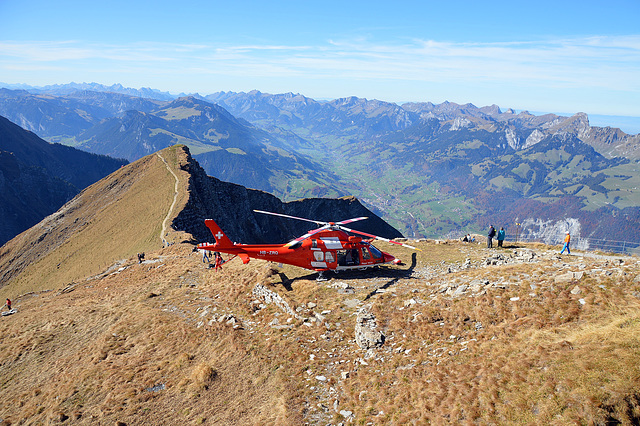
[329, 258]
[352, 257]
[342, 257]
[318, 259]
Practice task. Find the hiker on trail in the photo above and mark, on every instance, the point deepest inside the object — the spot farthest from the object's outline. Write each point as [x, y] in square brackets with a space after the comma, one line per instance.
[140, 257]
[567, 241]
[219, 260]
[501, 235]
[490, 235]
[9, 303]
[205, 258]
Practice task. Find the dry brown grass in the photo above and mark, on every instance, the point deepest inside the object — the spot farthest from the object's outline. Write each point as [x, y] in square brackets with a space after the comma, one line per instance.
[539, 360]
[98, 352]
[102, 352]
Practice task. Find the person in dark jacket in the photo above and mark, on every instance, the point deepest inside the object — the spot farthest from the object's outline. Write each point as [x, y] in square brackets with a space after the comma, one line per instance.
[490, 235]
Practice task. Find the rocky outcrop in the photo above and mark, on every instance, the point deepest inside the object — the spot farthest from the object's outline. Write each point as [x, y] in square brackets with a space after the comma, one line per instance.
[269, 296]
[366, 333]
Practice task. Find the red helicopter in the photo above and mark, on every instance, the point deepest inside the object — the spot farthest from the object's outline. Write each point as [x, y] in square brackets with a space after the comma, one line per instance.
[327, 248]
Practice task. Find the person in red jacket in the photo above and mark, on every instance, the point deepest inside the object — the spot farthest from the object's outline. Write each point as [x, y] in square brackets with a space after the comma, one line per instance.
[219, 261]
[567, 241]
[9, 303]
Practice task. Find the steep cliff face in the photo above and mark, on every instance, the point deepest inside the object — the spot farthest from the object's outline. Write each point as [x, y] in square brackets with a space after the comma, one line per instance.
[231, 206]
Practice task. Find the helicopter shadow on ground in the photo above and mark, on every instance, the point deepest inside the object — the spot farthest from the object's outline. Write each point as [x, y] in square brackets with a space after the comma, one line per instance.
[393, 273]
[399, 274]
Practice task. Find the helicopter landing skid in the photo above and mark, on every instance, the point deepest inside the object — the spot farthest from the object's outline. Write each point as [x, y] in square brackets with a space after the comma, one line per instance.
[321, 277]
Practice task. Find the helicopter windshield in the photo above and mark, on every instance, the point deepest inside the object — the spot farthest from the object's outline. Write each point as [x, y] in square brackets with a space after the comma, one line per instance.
[374, 251]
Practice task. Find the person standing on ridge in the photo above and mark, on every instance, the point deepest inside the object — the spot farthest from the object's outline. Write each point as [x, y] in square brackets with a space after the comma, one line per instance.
[490, 235]
[219, 260]
[567, 241]
[501, 235]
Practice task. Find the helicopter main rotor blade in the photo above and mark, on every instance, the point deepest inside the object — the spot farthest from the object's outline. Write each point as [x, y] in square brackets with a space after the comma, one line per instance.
[292, 243]
[292, 217]
[378, 238]
[319, 222]
[355, 219]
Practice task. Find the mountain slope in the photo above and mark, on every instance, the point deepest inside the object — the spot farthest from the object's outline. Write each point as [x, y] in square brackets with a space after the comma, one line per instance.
[110, 220]
[431, 170]
[37, 178]
[123, 214]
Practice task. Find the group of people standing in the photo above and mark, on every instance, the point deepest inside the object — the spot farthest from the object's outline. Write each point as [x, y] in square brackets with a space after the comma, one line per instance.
[500, 235]
[218, 260]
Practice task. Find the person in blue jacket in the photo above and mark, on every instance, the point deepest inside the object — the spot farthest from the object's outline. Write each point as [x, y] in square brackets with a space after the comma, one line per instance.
[501, 235]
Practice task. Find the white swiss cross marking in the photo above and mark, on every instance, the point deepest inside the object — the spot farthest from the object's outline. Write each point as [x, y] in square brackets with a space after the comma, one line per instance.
[219, 235]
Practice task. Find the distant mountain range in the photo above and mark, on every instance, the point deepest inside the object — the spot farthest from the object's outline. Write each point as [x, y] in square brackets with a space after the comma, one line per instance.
[129, 127]
[428, 169]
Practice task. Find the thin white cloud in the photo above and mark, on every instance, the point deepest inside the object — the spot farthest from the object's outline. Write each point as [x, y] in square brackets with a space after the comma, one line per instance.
[592, 63]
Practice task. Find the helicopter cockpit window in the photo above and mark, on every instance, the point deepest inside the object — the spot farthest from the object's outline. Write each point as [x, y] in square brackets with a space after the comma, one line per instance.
[375, 252]
[365, 253]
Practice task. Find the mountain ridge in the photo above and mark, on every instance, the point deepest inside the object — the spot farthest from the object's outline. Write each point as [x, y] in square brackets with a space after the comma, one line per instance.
[122, 214]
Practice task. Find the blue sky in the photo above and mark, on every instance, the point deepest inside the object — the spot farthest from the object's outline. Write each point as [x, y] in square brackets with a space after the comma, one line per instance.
[547, 56]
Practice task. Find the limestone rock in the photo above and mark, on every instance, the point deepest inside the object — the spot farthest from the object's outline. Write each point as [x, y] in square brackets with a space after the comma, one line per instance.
[569, 276]
[367, 336]
[269, 296]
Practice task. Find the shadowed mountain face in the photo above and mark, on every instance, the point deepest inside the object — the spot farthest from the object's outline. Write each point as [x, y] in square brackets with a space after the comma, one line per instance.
[231, 206]
[37, 178]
